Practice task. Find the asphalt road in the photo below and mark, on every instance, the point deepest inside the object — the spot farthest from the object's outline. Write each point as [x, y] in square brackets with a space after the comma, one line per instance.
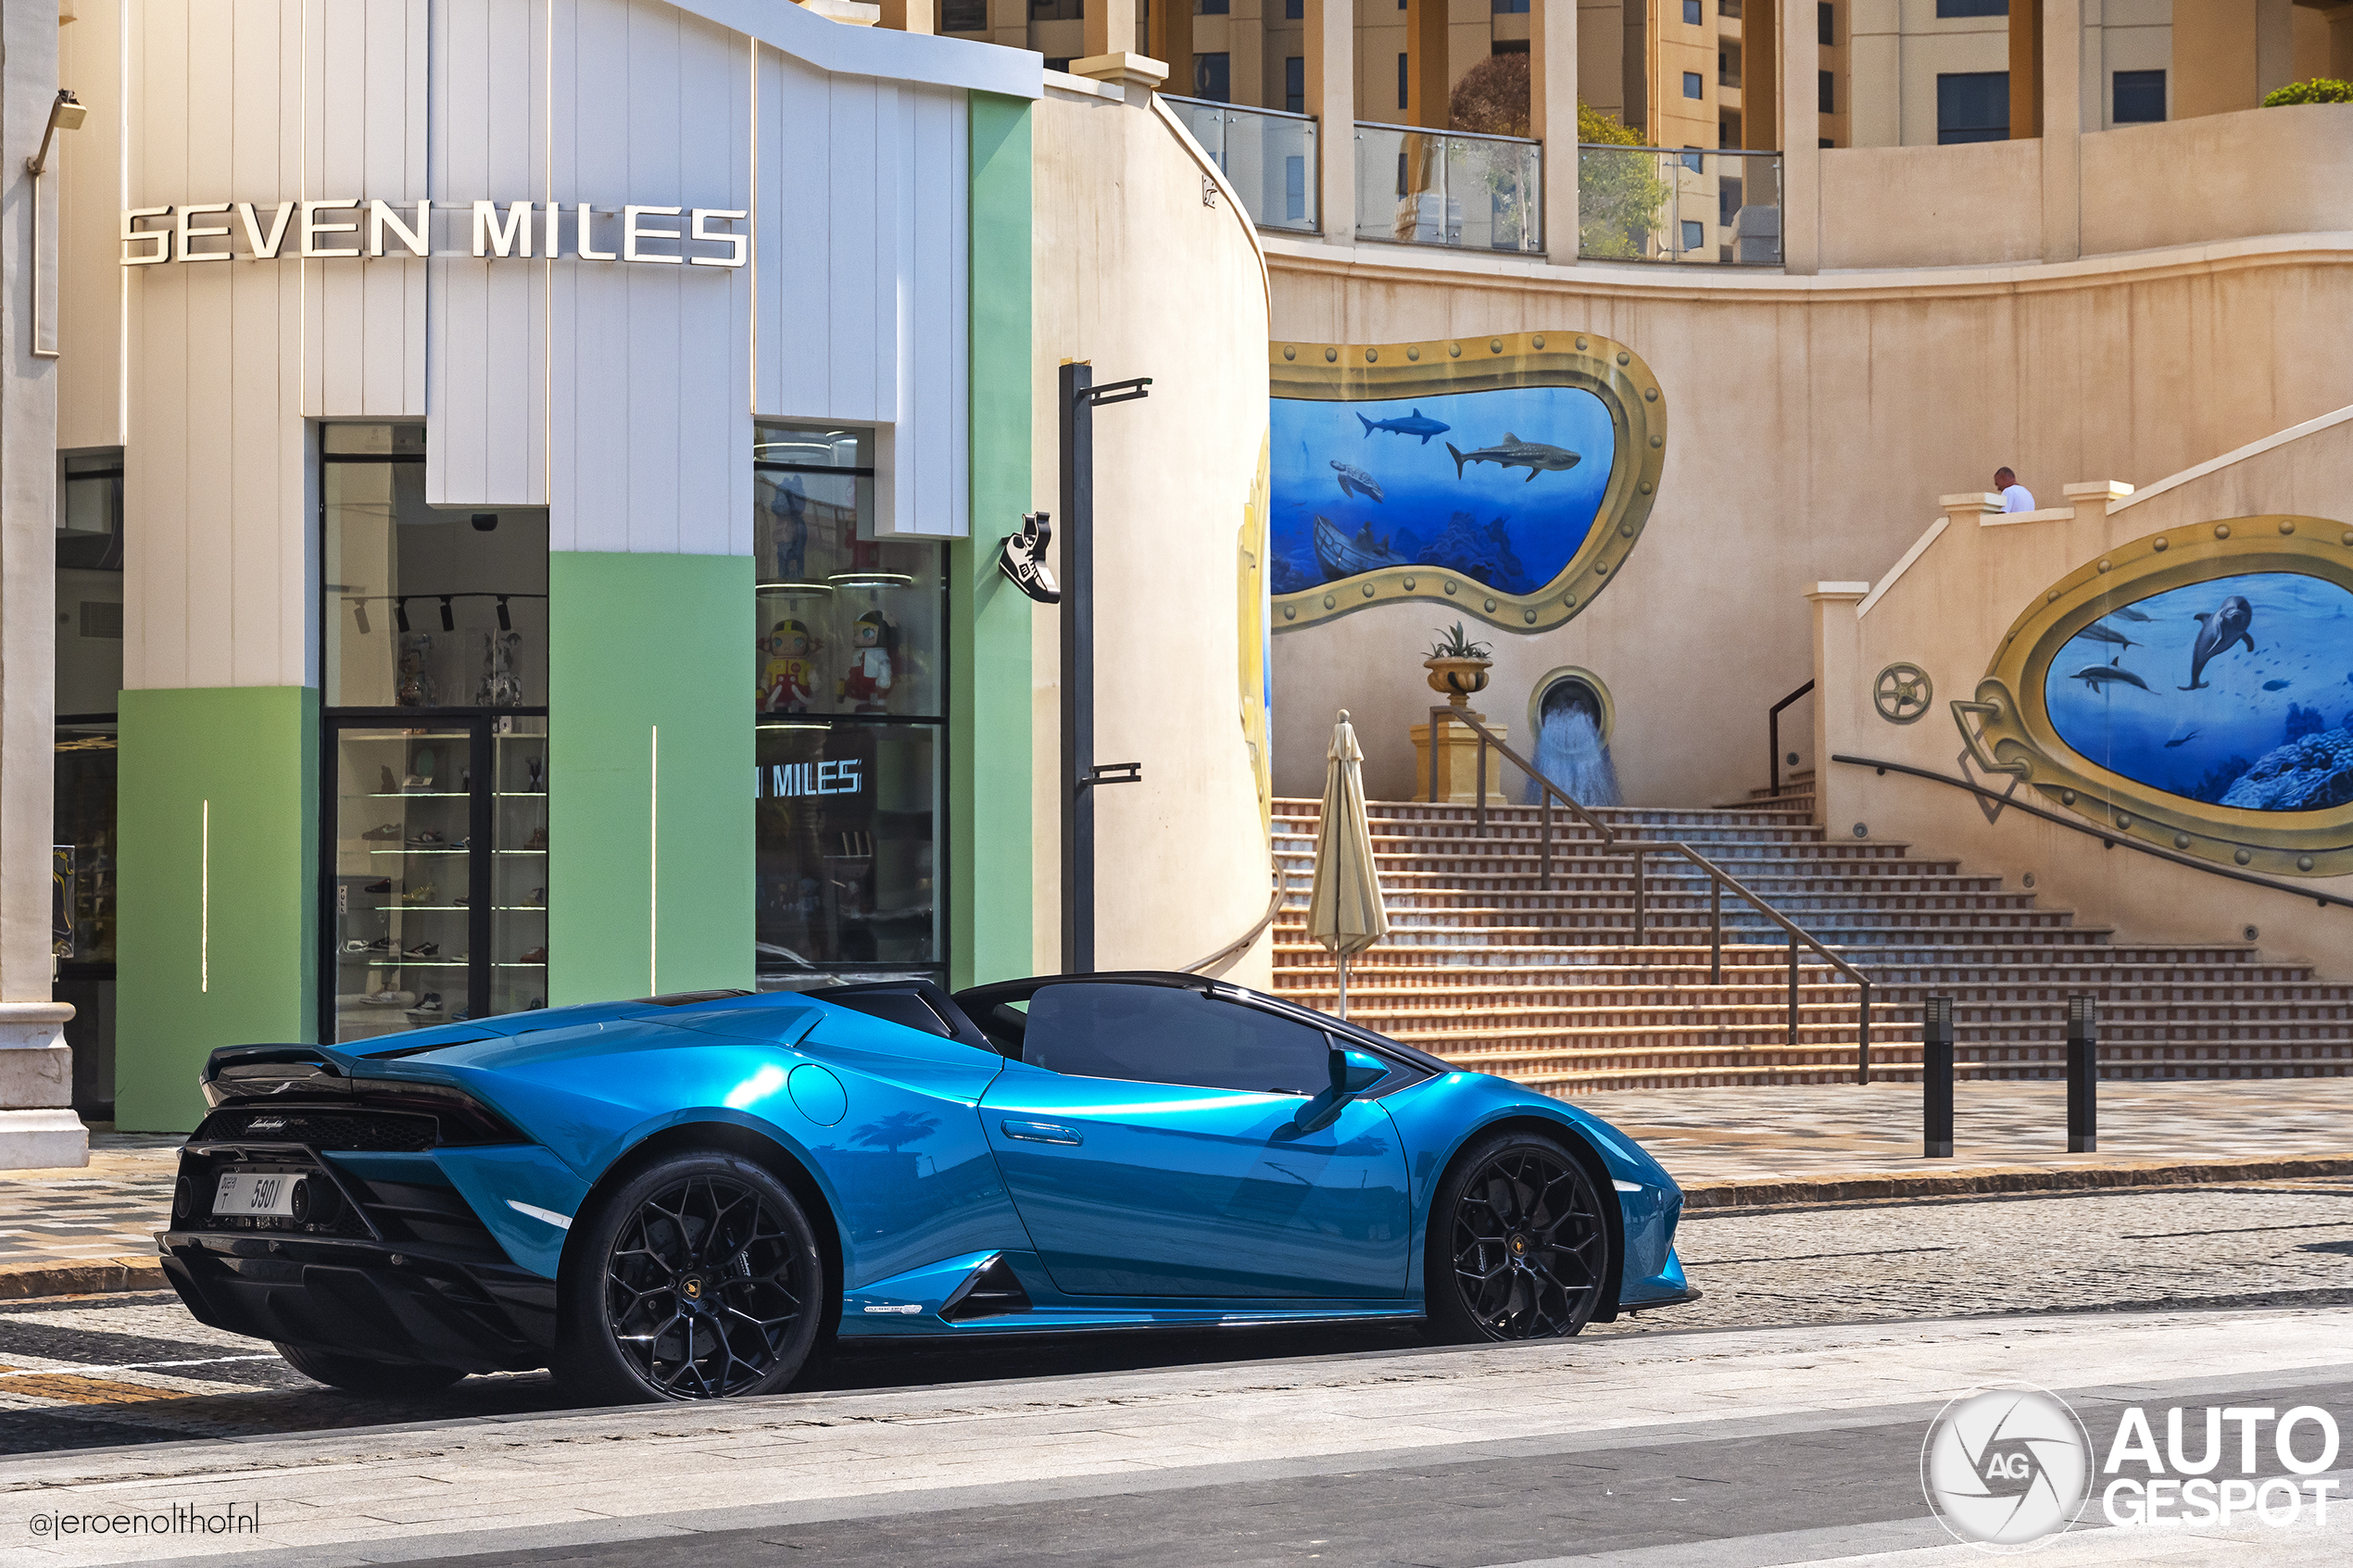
[103, 1372]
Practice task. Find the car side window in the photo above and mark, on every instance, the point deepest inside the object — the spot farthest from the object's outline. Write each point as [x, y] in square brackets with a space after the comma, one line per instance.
[1165, 1035]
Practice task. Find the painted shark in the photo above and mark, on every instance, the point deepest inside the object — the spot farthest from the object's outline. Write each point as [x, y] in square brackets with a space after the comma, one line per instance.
[1413, 424]
[1513, 452]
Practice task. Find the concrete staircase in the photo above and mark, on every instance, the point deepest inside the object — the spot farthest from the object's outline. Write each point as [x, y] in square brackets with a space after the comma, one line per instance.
[1484, 968]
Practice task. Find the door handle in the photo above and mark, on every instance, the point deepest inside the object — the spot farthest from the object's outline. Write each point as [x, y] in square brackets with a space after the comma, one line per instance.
[1040, 1131]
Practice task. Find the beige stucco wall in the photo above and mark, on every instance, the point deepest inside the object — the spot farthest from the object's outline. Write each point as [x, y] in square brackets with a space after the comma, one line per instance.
[1948, 612]
[2223, 176]
[1134, 273]
[1808, 418]
[1928, 206]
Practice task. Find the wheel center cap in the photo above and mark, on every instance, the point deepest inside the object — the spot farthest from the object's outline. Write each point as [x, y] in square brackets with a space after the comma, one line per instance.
[1518, 1243]
[691, 1288]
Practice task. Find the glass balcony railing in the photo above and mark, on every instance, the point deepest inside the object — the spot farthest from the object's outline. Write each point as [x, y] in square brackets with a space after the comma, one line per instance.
[1267, 154]
[1445, 188]
[1678, 205]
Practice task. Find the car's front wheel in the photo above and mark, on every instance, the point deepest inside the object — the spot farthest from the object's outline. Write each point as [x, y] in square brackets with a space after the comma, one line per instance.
[699, 1278]
[1519, 1247]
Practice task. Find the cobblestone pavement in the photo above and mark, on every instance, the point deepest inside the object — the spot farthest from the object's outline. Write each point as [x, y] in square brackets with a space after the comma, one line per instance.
[110, 1208]
[1750, 1134]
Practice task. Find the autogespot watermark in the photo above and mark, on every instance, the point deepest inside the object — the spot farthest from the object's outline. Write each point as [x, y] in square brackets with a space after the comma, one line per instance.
[180, 1519]
[2009, 1466]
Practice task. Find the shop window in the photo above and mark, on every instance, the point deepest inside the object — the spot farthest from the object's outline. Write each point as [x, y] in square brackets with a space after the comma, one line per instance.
[89, 584]
[87, 690]
[1212, 78]
[434, 765]
[2140, 97]
[1295, 83]
[1972, 106]
[850, 696]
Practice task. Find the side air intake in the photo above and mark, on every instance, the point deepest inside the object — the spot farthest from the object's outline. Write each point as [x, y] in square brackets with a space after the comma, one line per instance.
[989, 1291]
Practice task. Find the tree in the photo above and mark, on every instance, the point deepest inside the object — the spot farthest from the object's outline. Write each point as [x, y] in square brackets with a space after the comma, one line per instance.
[1619, 195]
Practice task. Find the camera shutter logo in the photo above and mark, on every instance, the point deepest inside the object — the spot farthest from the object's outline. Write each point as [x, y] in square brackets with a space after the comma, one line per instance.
[2007, 1465]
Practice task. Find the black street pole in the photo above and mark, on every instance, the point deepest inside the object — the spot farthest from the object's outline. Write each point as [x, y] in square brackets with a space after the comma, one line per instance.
[2083, 1075]
[1078, 667]
[1936, 1079]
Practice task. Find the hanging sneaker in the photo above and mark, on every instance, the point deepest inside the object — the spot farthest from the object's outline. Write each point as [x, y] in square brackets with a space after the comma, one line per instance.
[537, 955]
[389, 830]
[431, 838]
[381, 884]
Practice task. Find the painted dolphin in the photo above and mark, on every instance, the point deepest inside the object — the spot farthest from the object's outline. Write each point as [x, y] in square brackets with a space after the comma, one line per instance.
[1414, 424]
[2128, 613]
[2098, 676]
[1513, 452]
[2100, 633]
[2216, 633]
[2185, 740]
[1354, 480]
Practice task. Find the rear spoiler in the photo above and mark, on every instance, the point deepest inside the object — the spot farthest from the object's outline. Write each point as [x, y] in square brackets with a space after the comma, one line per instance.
[247, 1071]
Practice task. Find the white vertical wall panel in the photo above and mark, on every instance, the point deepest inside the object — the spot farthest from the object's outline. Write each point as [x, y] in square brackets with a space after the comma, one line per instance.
[863, 190]
[486, 369]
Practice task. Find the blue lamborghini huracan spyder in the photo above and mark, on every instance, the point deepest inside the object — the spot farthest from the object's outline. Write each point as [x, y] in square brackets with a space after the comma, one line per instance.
[682, 1197]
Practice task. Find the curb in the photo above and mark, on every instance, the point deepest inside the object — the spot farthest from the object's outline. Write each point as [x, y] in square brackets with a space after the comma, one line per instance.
[82, 1276]
[1989, 1180]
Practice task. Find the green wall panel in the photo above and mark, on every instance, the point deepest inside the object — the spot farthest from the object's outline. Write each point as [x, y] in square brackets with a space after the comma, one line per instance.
[649, 867]
[218, 926]
[989, 827]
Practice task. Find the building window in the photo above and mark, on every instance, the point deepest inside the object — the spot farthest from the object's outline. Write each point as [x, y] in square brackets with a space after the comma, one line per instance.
[1972, 106]
[1212, 78]
[82, 823]
[1826, 92]
[852, 693]
[2140, 97]
[1825, 24]
[1511, 7]
[1690, 13]
[435, 769]
[1508, 47]
[963, 16]
[1690, 84]
[1402, 71]
[1295, 83]
[1294, 10]
[1694, 233]
[1212, 7]
[1951, 8]
[1054, 10]
[1060, 64]
[1729, 9]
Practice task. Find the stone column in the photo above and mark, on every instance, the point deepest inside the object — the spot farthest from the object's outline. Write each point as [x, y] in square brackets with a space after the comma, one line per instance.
[1552, 119]
[1111, 51]
[1427, 83]
[2092, 500]
[2062, 129]
[2026, 69]
[1246, 35]
[1842, 692]
[38, 1127]
[910, 16]
[1171, 40]
[1331, 98]
[1801, 144]
[1009, 23]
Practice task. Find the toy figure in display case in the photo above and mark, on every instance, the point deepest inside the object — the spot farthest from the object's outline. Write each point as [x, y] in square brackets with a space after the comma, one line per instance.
[866, 685]
[789, 507]
[415, 688]
[788, 679]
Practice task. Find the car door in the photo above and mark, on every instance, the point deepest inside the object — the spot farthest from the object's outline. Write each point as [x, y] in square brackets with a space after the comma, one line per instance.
[1150, 1136]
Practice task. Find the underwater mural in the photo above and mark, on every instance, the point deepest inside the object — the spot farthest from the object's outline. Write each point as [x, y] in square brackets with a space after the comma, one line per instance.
[1506, 475]
[2195, 687]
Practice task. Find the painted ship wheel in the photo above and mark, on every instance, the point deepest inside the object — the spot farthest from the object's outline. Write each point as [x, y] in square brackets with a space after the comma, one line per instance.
[1902, 693]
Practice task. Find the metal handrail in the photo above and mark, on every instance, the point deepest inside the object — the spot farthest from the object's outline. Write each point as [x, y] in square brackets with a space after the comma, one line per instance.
[2107, 837]
[1236, 108]
[1718, 879]
[1448, 714]
[1773, 733]
[1241, 944]
[1448, 135]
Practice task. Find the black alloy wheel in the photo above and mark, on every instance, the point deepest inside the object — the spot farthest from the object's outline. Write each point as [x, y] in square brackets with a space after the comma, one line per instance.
[1518, 1248]
[699, 1279]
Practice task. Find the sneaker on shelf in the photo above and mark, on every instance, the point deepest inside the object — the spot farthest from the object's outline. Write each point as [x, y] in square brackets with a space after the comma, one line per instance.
[463, 843]
[536, 899]
[389, 830]
[380, 945]
[388, 997]
[381, 884]
[461, 903]
[536, 1004]
[423, 950]
[430, 1002]
[417, 895]
[431, 838]
[356, 946]
[390, 786]
[538, 839]
[416, 781]
[535, 955]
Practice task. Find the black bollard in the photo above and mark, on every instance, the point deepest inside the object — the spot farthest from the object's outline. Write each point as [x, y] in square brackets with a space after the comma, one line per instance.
[1936, 1079]
[2083, 1075]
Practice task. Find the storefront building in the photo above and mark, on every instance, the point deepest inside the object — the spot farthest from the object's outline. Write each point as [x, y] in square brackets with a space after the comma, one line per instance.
[527, 515]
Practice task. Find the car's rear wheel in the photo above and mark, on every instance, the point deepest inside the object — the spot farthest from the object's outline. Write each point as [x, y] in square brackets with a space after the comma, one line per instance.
[357, 1374]
[1519, 1247]
[699, 1278]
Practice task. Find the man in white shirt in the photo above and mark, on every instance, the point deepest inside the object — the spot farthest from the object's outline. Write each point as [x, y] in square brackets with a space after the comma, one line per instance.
[2016, 497]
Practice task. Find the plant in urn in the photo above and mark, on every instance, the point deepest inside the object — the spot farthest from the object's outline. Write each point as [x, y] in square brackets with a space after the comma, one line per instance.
[1457, 666]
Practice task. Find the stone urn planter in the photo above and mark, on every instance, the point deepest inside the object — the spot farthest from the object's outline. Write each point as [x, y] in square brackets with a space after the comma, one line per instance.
[1458, 679]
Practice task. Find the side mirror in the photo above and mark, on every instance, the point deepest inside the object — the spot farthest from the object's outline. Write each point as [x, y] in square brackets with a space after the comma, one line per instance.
[1352, 1071]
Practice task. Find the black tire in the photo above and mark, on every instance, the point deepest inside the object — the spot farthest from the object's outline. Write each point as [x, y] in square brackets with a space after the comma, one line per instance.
[699, 1278]
[1519, 1247]
[357, 1374]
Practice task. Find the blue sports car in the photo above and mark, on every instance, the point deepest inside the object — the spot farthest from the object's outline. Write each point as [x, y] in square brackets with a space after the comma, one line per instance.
[682, 1197]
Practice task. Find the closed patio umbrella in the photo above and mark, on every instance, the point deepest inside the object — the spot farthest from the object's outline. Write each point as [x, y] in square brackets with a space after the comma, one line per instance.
[1345, 913]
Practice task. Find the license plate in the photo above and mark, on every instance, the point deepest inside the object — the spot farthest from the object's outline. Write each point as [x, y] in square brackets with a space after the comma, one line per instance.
[248, 1192]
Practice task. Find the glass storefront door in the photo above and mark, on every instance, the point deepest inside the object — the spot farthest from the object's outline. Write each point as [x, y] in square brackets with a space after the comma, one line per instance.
[438, 888]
